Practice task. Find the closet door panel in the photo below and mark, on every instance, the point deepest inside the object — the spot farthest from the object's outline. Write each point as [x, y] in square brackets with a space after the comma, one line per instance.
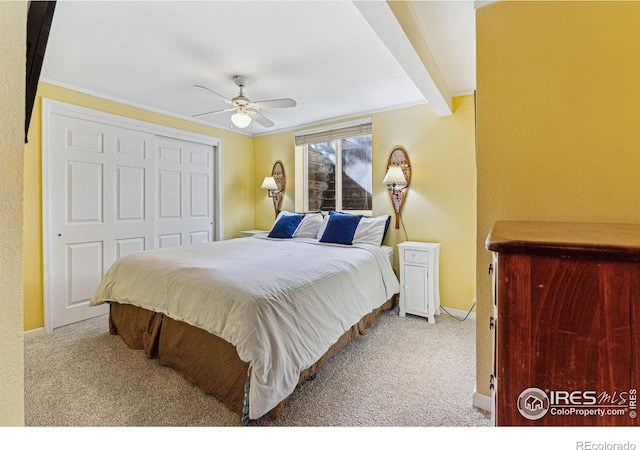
[114, 186]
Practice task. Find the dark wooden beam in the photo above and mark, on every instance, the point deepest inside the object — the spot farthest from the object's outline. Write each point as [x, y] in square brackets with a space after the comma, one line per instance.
[39, 21]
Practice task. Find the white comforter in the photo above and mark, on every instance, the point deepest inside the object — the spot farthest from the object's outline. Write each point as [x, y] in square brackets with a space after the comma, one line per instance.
[281, 303]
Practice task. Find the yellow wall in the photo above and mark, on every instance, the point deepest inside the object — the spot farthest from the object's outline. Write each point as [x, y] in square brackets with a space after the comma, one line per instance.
[268, 150]
[558, 131]
[237, 175]
[440, 149]
[13, 20]
[440, 205]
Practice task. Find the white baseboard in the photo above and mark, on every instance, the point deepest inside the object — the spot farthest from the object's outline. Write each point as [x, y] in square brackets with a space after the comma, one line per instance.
[482, 401]
[33, 333]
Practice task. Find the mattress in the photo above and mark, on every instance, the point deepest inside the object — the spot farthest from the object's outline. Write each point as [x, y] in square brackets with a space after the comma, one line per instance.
[282, 303]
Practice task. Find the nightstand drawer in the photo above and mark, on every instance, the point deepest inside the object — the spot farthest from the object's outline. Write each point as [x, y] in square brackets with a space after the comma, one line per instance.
[416, 256]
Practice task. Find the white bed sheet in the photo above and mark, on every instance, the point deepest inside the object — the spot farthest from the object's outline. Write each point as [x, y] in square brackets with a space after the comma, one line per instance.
[281, 303]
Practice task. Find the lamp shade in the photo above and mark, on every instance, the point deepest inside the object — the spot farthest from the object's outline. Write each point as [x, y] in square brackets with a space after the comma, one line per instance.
[269, 183]
[241, 120]
[395, 176]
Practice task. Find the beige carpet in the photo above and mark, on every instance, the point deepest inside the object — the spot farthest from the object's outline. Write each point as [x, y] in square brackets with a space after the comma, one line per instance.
[403, 372]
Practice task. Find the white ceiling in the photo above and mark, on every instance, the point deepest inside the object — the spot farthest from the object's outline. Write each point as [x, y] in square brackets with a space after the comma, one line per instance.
[337, 59]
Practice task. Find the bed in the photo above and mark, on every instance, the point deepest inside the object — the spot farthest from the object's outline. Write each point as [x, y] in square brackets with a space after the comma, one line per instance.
[249, 319]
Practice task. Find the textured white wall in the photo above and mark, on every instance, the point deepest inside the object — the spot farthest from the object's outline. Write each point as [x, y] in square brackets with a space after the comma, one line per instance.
[13, 19]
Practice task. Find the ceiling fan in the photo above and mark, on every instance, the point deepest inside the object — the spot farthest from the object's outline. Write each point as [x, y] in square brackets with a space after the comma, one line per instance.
[245, 109]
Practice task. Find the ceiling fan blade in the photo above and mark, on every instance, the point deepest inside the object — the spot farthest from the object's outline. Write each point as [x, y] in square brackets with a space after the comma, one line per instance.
[221, 97]
[262, 120]
[214, 112]
[278, 103]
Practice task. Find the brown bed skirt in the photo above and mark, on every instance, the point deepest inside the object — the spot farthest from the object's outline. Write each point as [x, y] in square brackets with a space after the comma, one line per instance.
[203, 358]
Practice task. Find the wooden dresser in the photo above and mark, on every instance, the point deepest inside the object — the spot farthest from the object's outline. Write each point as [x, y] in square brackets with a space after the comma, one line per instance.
[566, 322]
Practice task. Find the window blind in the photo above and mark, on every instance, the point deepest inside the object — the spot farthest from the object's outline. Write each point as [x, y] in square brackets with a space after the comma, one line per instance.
[332, 134]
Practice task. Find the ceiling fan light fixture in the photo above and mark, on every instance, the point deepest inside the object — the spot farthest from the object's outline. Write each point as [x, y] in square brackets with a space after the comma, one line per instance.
[244, 110]
[241, 119]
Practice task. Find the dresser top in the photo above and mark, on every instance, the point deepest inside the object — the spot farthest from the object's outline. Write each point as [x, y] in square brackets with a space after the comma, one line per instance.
[571, 239]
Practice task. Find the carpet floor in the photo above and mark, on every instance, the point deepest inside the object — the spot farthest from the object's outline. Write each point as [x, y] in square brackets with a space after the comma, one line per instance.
[403, 372]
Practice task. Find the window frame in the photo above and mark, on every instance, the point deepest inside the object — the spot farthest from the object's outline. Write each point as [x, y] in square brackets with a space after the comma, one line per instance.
[338, 177]
[337, 131]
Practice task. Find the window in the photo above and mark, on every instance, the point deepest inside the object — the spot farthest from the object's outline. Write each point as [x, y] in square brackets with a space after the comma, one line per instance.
[338, 169]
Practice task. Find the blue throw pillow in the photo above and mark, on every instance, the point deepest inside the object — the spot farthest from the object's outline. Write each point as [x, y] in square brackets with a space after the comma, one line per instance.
[341, 228]
[286, 226]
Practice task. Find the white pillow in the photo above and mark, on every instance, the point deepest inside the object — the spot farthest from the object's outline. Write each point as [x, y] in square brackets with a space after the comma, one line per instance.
[325, 220]
[309, 226]
[371, 230]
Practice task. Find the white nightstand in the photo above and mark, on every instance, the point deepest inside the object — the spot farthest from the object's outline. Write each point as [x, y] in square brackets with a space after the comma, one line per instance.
[249, 233]
[419, 279]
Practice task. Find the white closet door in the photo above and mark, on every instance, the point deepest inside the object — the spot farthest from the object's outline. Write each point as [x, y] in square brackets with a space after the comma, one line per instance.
[112, 186]
[184, 202]
[100, 208]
